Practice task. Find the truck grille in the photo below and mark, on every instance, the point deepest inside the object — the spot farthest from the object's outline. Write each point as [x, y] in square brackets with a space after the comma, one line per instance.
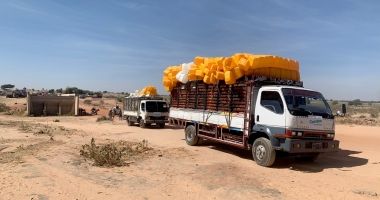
[157, 118]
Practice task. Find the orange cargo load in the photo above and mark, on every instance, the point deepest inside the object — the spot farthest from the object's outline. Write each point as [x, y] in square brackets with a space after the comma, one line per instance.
[230, 69]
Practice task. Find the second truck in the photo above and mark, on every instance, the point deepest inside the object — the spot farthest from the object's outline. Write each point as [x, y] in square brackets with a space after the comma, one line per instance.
[146, 108]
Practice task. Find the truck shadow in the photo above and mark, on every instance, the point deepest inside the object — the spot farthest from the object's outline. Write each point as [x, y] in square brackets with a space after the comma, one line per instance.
[226, 149]
[341, 160]
[172, 127]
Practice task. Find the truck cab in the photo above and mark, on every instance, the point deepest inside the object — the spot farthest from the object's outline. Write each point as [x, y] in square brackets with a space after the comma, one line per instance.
[294, 119]
[146, 111]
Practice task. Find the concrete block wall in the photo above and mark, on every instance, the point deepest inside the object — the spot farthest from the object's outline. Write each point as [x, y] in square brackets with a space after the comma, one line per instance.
[52, 105]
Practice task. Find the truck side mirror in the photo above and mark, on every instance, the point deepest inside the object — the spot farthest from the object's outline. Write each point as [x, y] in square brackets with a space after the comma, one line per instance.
[344, 109]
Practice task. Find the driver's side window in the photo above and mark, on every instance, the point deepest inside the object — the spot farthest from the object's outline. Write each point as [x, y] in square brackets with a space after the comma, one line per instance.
[272, 101]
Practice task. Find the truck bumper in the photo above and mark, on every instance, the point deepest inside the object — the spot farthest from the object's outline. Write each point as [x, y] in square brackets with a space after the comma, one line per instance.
[156, 121]
[309, 146]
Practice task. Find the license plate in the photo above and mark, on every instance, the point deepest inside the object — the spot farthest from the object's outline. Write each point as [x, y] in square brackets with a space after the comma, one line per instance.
[317, 145]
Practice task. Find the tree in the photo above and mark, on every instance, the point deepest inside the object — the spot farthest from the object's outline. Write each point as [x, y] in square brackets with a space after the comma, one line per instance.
[59, 90]
[71, 90]
[51, 91]
[98, 95]
[7, 86]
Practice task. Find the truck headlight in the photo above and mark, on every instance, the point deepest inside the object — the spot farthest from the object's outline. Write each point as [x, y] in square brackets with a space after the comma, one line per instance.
[299, 134]
[294, 133]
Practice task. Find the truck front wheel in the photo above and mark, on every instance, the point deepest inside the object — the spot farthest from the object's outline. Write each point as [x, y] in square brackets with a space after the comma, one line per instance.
[129, 122]
[263, 153]
[191, 135]
[142, 124]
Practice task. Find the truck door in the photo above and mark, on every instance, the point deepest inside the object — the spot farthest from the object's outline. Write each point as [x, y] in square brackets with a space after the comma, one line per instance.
[269, 112]
[142, 110]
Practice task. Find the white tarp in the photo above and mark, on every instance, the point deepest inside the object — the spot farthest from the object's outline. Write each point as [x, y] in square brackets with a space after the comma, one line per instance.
[182, 75]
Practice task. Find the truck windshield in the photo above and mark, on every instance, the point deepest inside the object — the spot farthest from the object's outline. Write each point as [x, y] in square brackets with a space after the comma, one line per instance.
[305, 102]
[156, 106]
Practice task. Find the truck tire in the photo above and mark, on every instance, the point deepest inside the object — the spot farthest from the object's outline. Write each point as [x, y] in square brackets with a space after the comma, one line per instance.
[142, 124]
[129, 122]
[263, 153]
[191, 135]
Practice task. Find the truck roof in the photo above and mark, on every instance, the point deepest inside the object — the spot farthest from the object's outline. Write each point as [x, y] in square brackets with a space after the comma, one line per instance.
[155, 100]
[286, 86]
[145, 98]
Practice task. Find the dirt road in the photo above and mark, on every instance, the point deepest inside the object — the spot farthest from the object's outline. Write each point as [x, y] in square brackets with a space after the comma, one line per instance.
[44, 167]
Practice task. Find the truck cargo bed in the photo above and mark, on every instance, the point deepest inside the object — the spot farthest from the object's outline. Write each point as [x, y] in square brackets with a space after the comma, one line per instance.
[220, 97]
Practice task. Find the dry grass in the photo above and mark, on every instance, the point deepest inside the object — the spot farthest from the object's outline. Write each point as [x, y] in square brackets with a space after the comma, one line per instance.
[4, 108]
[21, 151]
[87, 102]
[38, 129]
[364, 121]
[374, 114]
[366, 114]
[16, 112]
[116, 153]
[45, 130]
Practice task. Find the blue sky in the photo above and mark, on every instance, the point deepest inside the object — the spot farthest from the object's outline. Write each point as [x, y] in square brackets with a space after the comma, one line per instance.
[120, 45]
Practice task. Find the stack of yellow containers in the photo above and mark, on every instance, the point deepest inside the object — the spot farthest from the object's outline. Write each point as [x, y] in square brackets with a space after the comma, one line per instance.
[229, 69]
[169, 79]
[148, 91]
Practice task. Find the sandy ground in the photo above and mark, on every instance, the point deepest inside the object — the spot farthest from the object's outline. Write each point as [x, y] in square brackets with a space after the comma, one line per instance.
[40, 167]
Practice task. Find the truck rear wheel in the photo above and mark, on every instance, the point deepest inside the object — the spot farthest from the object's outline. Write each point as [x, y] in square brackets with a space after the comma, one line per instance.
[263, 153]
[191, 135]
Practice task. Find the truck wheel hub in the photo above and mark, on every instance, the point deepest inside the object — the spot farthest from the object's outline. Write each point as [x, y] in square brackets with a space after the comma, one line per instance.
[260, 152]
[189, 136]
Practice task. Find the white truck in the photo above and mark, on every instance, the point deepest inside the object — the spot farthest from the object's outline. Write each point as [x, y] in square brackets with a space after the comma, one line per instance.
[258, 114]
[146, 111]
